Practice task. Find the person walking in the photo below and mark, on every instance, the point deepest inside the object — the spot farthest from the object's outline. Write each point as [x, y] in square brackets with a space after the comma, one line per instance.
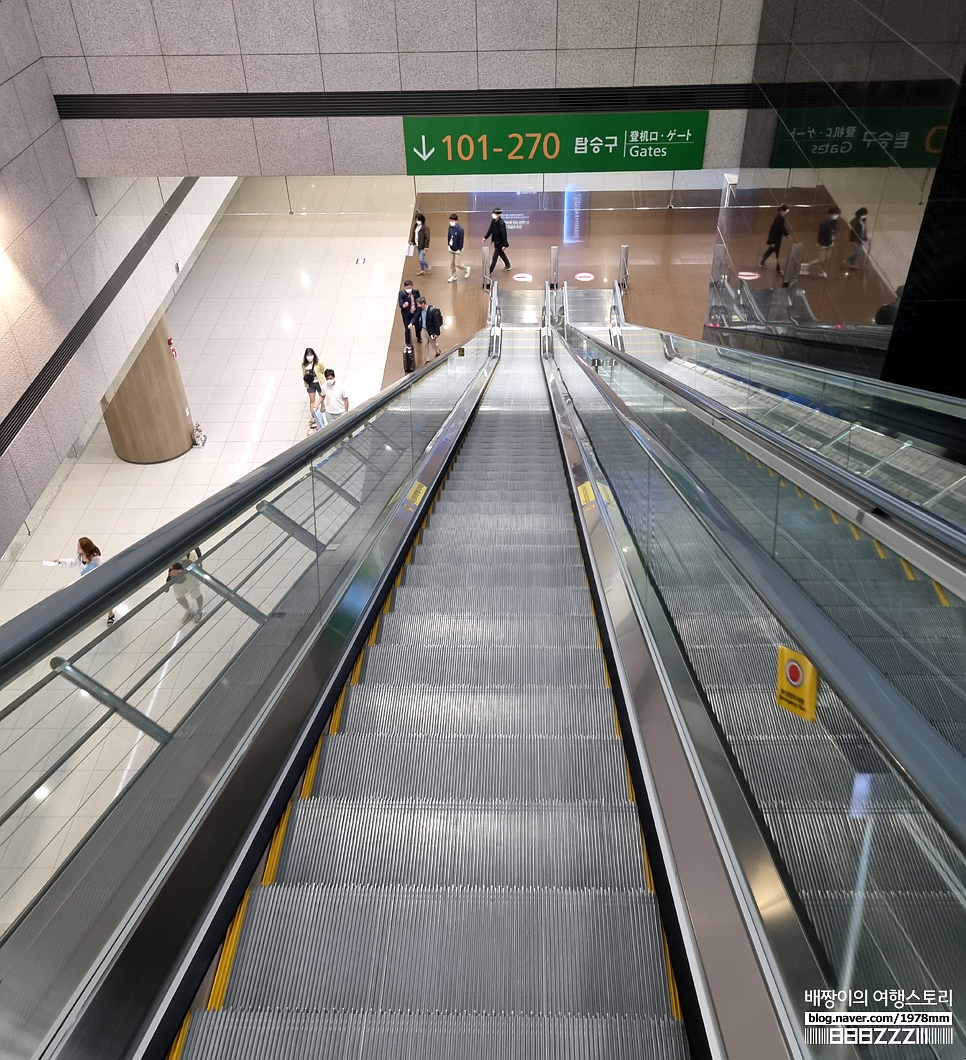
[496, 233]
[859, 238]
[88, 558]
[773, 241]
[454, 240]
[334, 396]
[408, 297]
[183, 587]
[826, 240]
[432, 322]
[312, 378]
[421, 239]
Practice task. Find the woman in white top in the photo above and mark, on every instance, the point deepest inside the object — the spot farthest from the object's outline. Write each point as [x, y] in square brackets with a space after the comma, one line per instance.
[88, 558]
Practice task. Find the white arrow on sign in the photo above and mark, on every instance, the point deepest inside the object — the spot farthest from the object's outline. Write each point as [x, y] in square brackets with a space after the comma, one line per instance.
[424, 154]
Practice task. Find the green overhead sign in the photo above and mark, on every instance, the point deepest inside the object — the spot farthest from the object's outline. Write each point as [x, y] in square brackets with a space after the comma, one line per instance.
[910, 137]
[555, 143]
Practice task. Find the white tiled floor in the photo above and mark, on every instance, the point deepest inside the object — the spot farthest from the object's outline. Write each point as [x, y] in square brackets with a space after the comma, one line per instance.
[268, 284]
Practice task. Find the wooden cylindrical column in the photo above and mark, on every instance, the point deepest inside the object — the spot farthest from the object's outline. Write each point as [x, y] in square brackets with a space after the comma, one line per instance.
[148, 418]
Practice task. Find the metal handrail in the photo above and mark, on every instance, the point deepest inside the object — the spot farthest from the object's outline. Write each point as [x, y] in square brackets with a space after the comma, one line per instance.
[619, 304]
[934, 771]
[871, 496]
[35, 633]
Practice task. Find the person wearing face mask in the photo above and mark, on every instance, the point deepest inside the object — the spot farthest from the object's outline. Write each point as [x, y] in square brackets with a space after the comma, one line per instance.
[408, 297]
[312, 378]
[496, 233]
[454, 241]
[421, 239]
[334, 396]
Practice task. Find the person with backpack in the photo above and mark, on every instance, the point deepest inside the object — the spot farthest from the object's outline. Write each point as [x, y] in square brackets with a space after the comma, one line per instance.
[432, 322]
[496, 233]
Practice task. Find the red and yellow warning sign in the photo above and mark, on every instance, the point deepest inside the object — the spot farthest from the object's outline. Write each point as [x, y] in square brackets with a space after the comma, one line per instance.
[797, 686]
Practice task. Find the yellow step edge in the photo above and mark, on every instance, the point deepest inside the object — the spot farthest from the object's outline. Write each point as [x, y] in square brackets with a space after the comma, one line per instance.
[672, 986]
[222, 974]
[798, 490]
[907, 568]
[771, 472]
[630, 783]
[758, 462]
[270, 874]
[177, 1046]
[648, 874]
[617, 722]
[357, 668]
[855, 531]
[817, 506]
[748, 456]
[308, 781]
[374, 632]
[835, 518]
[879, 549]
[336, 716]
[941, 593]
[387, 606]
[781, 482]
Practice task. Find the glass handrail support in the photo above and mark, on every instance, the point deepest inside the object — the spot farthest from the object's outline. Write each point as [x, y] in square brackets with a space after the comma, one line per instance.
[154, 707]
[908, 441]
[877, 879]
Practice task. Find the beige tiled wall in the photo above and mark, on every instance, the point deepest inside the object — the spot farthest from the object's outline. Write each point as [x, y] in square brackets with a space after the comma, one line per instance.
[111, 46]
[60, 240]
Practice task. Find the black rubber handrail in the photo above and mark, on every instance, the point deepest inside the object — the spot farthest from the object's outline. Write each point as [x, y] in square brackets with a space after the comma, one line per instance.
[32, 635]
[933, 770]
[926, 525]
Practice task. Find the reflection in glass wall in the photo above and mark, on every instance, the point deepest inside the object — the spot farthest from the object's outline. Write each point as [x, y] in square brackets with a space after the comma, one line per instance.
[855, 102]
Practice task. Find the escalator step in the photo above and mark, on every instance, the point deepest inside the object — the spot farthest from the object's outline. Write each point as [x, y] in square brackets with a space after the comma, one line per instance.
[473, 769]
[485, 576]
[443, 555]
[534, 524]
[481, 950]
[304, 1035]
[492, 600]
[365, 845]
[485, 667]
[435, 710]
[535, 630]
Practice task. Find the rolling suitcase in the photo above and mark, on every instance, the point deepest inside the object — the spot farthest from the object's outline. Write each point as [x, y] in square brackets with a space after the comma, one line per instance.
[409, 359]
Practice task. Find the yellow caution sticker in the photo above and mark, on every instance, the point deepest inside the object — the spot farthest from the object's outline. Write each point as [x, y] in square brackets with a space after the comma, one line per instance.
[797, 686]
[416, 493]
[585, 493]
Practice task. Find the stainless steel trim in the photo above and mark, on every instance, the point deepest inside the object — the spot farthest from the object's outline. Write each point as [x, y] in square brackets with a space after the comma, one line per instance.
[727, 968]
[913, 748]
[866, 494]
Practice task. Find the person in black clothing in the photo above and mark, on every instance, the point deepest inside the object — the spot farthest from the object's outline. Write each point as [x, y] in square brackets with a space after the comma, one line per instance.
[497, 233]
[826, 240]
[858, 237]
[408, 297]
[886, 314]
[773, 242]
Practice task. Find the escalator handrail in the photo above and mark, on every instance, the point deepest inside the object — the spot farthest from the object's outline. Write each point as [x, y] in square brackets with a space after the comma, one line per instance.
[934, 771]
[32, 635]
[934, 528]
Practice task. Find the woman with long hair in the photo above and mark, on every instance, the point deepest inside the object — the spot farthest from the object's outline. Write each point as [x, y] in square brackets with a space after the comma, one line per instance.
[312, 379]
[88, 558]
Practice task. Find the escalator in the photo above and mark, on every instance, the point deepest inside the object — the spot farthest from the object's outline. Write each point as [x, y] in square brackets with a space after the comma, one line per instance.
[469, 829]
[477, 752]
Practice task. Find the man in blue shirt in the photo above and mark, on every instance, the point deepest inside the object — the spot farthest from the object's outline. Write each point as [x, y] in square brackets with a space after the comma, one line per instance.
[454, 241]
